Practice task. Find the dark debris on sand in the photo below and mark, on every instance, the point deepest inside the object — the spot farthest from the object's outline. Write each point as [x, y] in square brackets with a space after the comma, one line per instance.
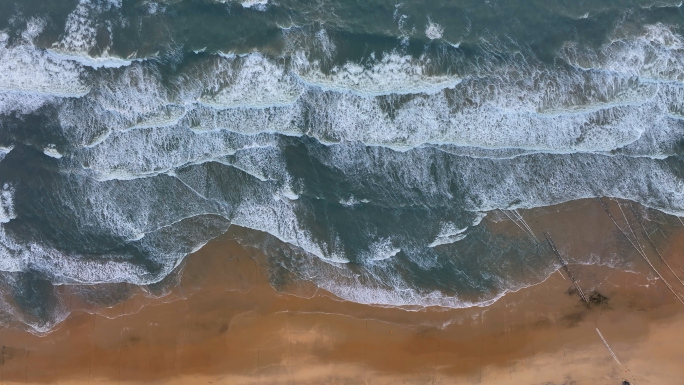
[594, 299]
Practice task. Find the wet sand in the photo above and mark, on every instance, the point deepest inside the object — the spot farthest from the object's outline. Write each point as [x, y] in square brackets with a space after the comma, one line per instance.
[224, 324]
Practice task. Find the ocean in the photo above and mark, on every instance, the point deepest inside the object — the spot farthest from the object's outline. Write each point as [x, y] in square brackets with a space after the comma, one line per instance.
[362, 146]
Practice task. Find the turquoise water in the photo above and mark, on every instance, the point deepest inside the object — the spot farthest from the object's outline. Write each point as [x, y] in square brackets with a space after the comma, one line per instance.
[367, 140]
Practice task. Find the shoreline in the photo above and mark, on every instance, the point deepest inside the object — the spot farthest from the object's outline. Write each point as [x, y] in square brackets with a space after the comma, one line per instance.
[222, 322]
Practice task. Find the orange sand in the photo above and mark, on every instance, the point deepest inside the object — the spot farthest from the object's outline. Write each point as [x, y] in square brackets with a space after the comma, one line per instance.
[223, 324]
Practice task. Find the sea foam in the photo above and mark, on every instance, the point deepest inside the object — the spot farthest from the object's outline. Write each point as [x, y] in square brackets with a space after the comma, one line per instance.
[164, 159]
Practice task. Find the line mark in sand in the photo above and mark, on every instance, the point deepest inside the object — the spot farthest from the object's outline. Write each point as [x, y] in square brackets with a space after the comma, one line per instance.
[333, 377]
[555, 322]
[434, 372]
[289, 344]
[2, 359]
[26, 364]
[508, 341]
[123, 326]
[181, 345]
[608, 347]
[638, 249]
[561, 274]
[481, 342]
[365, 353]
[650, 241]
[565, 267]
[517, 218]
[92, 350]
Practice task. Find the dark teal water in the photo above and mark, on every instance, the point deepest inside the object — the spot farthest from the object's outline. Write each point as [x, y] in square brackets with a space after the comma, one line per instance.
[366, 140]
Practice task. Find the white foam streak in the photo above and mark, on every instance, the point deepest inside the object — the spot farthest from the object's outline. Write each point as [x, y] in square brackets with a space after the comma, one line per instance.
[448, 234]
[7, 212]
[80, 35]
[392, 74]
[25, 69]
[259, 5]
[433, 30]
[252, 82]
[590, 112]
[657, 54]
[104, 61]
[15, 256]
[280, 221]
[406, 298]
[380, 250]
[234, 110]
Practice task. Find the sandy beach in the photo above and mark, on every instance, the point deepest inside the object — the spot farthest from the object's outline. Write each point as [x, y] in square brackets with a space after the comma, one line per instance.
[267, 192]
[224, 324]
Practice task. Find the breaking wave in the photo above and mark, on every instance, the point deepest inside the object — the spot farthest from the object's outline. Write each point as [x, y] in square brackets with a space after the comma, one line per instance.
[374, 170]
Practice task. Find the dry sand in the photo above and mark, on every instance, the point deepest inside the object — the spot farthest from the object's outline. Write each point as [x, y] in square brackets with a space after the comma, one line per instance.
[224, 324]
